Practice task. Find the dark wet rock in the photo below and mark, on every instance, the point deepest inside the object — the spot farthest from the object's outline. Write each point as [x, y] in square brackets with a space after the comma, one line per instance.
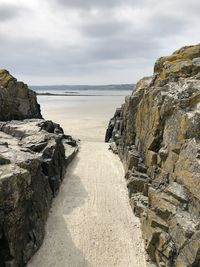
[111, 125]
[113, 147]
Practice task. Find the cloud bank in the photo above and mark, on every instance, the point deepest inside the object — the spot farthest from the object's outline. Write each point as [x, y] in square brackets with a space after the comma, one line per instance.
[92, 41]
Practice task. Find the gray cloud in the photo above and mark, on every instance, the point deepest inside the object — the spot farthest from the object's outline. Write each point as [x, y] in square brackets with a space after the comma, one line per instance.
[103, 29]
[10, 11]
[38, 56]
[93, 41]
[124, 48]
[167, 24]
[103, 4]
[89, 3]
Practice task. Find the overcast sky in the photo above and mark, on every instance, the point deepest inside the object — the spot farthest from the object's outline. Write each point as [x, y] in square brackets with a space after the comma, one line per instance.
[92, 41]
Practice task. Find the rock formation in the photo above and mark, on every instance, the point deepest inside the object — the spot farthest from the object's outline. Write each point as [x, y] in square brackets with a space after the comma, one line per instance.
[17, 101]
[34, 154]
[156, 134]
[33, 157]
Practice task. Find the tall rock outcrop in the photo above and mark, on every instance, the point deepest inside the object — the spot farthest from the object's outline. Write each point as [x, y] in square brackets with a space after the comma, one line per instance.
[17, 101]
[156, 134]
[34, 154]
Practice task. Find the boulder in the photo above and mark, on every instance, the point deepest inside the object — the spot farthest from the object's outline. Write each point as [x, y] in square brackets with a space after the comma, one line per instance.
[17, 101]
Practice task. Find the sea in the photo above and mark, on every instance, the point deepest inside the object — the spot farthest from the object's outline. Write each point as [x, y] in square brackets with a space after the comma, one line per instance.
[96, 97]
[87, 90]
[83, 111]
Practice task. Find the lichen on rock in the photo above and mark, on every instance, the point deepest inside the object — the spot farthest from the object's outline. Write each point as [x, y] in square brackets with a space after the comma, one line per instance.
[156, 134]
[17, 101]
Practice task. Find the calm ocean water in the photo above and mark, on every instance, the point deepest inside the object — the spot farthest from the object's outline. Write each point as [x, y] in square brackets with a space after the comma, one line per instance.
[91, 99]
[103, 101]
[85, 114]
[112, 90]
[87, 98]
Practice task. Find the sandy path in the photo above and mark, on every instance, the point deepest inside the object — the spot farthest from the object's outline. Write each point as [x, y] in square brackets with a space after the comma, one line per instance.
[91, 223]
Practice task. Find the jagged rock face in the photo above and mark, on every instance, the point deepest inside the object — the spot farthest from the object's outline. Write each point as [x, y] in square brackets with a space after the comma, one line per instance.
[33, 158]
[17, 101]
[156, 134]
[184, 63]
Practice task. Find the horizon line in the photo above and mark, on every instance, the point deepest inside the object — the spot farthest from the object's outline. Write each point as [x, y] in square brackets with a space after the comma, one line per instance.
[82, 84]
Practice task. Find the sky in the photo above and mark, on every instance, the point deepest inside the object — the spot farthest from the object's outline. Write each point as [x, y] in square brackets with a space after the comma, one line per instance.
[56, 42]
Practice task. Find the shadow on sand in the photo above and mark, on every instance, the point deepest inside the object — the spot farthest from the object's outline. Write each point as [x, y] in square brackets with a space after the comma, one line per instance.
[58, 249]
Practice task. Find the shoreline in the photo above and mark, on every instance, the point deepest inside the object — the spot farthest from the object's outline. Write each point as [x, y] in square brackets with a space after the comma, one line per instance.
[52, 94]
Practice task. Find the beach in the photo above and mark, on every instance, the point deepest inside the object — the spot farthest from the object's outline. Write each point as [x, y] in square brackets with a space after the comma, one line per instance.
[83, 117]
[100, 133]
[91, 223]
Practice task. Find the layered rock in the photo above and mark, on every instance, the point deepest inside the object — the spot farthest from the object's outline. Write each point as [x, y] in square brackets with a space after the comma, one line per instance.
[34, 154]
[33, 158]
[17, 101]
[156, 134]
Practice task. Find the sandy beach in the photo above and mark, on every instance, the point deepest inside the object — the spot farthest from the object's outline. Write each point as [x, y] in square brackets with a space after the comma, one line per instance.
[91, 223]
[85, 118]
